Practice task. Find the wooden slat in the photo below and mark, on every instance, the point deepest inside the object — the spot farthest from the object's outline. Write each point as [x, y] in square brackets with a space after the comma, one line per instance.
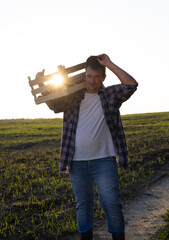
[77, 78]
[49, 76]
[31, 88]
[42, 79]
[61, 93]
[75, 68]
[43, 89]
[76, 88]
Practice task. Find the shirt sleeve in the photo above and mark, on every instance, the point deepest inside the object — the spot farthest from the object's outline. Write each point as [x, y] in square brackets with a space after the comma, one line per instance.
[121, 92]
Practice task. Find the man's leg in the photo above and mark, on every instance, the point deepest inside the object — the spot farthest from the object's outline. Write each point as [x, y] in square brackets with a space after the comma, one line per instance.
[106, 176]
[82, 183]
[120, 236]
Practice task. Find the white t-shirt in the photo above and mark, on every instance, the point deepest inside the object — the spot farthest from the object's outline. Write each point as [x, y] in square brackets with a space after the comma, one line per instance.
[93, 138]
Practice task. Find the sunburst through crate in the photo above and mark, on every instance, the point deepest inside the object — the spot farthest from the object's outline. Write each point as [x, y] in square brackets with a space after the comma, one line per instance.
[44, 90]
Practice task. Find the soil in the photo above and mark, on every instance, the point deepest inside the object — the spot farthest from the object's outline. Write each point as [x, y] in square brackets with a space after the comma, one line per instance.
[143, 211]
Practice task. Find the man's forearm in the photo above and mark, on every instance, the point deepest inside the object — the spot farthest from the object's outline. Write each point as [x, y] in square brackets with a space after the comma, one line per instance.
[123, 76]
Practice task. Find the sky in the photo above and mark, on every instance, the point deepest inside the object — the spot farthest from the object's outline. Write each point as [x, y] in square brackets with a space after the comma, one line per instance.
[42, 34]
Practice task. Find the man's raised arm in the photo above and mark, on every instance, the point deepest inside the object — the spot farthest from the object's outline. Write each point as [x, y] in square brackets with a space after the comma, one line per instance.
[123, 76]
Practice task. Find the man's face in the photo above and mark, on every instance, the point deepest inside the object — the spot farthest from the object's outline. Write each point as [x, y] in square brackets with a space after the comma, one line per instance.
[93, 80]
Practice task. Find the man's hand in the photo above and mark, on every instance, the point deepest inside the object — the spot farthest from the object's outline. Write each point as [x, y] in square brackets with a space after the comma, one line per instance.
[123, 76]
[40, 74]
[104, 60]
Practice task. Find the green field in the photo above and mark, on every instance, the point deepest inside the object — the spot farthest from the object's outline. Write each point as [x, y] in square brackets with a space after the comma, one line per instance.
[36, 201]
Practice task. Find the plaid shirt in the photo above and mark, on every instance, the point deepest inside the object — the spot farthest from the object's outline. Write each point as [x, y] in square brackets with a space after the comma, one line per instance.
[111, 99]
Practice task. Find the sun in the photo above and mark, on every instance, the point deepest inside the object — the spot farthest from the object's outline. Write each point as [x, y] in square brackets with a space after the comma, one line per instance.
[57, 80]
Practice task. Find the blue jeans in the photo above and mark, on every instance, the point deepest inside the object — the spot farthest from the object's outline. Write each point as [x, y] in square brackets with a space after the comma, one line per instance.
[105, 174]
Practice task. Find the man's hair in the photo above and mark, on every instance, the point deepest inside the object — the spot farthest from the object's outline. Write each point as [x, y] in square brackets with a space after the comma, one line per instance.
[93, 63]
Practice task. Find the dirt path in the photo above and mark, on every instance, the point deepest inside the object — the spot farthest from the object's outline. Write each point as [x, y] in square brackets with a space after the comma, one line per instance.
[142, 214]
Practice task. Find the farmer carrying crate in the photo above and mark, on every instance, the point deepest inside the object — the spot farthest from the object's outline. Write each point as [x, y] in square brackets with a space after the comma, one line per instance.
[92, 139]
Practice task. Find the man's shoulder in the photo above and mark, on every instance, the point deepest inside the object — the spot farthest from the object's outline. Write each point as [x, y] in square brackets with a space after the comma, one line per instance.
[119, 87]
[109, 89]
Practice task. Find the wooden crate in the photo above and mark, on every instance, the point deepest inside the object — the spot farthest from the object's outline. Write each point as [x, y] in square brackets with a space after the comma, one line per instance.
[73, 81]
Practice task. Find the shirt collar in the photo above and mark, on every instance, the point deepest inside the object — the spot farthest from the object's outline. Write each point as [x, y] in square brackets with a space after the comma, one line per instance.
[101, 90]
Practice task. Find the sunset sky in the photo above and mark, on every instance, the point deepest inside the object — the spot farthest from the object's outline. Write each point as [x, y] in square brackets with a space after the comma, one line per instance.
[38, 34]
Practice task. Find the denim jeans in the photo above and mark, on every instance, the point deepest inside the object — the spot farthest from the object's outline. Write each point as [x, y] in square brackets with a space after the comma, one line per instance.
[105, 174]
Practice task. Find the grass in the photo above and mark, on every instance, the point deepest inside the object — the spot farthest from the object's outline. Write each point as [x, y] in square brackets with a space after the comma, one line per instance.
[148, 140]
[163, 234]
[36, 201]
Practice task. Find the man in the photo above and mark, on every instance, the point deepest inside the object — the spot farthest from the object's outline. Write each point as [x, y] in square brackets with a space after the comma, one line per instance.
[92, 139]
